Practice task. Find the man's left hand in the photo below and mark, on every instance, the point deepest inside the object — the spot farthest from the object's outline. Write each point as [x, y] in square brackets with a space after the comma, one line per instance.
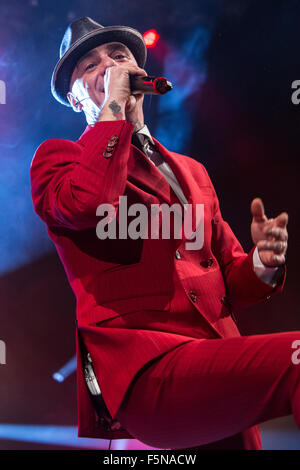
[269, 235]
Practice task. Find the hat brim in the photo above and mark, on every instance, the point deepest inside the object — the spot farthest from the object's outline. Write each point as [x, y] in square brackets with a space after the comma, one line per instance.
[61, 77]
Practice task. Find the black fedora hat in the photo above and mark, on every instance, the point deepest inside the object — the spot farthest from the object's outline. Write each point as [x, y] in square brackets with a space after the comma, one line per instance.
[83, 35]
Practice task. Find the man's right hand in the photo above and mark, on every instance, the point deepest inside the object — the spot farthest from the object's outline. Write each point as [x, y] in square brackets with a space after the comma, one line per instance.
[119, 103]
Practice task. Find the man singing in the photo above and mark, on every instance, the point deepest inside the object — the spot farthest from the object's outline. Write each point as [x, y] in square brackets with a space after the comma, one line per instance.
[155, 315]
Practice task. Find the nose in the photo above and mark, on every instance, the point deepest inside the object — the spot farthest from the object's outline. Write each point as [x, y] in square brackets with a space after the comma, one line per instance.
[107, 61]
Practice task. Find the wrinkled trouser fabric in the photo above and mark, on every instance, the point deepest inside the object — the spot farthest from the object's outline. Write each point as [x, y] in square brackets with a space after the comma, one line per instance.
[212, 390]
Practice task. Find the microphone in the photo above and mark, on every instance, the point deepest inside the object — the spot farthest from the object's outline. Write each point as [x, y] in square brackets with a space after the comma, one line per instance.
[146, 85]
[149, 85]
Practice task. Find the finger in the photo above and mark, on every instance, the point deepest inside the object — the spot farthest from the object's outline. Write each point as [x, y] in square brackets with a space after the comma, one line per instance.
[139, 96]
[277, 233]
[257, 210]
[130, 104]
[277, 260]
[133, 69]
[273, 260]
[276, 247]
[282, 220]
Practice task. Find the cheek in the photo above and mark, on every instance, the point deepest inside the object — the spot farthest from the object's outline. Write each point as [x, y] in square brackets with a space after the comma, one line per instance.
[98, 98]
[89, 86]
[93, 85]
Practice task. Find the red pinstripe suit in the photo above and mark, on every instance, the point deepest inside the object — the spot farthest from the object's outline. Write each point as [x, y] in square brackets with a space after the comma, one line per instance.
[124, 288]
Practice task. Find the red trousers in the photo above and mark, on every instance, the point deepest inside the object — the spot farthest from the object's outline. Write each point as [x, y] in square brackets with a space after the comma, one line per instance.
[208, 390]
[212, 393]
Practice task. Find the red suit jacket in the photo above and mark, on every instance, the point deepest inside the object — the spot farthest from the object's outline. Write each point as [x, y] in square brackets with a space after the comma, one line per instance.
[124, 287]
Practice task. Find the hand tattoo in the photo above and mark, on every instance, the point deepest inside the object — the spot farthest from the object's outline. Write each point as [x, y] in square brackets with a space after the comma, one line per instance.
[116, 109]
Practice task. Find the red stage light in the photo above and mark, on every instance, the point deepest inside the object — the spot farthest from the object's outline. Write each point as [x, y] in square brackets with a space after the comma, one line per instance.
[151, 37]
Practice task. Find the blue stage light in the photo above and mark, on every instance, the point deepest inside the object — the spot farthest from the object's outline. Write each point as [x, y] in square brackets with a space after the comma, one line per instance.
[66, 370]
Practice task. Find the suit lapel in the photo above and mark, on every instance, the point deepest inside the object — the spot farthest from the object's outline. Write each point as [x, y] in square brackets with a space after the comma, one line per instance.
[187, 184]
[177, 168]
[141, 170]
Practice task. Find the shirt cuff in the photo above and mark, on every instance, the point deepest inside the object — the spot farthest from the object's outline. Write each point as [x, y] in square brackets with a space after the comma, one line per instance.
[265, 273]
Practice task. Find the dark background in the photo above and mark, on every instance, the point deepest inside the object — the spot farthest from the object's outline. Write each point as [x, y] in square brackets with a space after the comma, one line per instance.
[232, 64]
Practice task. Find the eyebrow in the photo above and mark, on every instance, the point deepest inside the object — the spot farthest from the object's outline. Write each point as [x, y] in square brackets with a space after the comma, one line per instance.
[111, 48]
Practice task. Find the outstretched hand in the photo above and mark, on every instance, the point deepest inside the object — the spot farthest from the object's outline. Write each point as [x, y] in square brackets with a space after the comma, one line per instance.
[269, 235]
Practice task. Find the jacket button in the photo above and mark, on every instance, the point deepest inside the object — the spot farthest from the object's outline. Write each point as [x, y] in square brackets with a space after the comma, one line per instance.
[113, 140]
[107, 154]
[193, 296]
[177, 254]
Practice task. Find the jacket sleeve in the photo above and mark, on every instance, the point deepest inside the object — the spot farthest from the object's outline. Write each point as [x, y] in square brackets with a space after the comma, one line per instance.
[243, 286]
[69, 180]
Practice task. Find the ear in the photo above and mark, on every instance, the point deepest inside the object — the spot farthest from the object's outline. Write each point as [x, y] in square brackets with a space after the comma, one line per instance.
[76, 105]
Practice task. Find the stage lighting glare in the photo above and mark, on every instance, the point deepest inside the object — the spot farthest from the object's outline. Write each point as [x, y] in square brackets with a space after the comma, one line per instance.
[151, 37]
[58, 377]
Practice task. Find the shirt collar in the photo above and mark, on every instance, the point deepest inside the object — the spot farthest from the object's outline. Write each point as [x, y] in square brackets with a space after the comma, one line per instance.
[145, 131]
